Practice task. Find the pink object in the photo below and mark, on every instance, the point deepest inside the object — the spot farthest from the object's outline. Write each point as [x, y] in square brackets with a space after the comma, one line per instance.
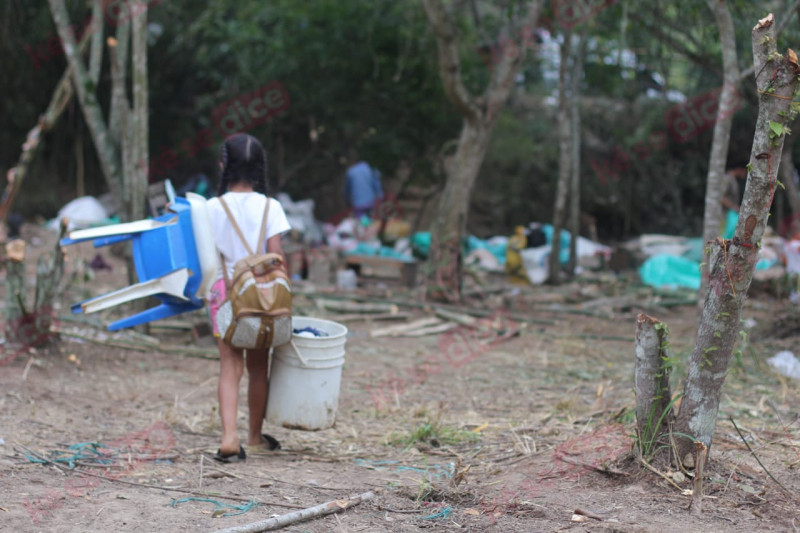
[215, 301]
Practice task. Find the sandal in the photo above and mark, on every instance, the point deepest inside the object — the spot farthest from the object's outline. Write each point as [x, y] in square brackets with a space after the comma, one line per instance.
[268, 442]
[230, 457]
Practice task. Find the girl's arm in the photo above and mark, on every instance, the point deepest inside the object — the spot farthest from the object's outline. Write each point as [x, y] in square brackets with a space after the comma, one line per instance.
[274, 246]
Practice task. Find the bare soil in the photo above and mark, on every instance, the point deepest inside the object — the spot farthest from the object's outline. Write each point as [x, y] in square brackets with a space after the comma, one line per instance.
[449, 431]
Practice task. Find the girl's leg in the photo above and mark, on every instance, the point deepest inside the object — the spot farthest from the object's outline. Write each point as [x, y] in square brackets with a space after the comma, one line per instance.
[231, 368]
[257, 391]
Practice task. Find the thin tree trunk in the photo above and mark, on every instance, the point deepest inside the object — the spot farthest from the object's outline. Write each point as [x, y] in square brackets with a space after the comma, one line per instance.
[106, 152]
[732, 262]
[575, 137]
[564, 161]
[713, 215]
[136, 182]
[443, 276]
[653, 397]
[96, 53]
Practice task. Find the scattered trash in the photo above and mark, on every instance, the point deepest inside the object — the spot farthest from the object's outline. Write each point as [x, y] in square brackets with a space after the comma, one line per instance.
[98, 263]
[346, 279]
[220, 508]
[444, 513]
[2, 441]
[786, 364]
[792, 252]
[81, 213]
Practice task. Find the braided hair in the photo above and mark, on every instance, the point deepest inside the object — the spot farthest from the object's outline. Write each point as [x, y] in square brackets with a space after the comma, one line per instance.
[243, 160]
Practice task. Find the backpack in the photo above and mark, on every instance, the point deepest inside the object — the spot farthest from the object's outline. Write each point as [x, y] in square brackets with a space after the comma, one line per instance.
[257, 312]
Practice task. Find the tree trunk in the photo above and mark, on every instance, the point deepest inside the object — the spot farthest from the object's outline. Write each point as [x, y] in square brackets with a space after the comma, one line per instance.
[713, 215]
[731, 263]
[136, 182]
[443, 275]
[653, 398]
[29, 326]
[575, 138]
[564, 161]
[106, 152]
[449, 224]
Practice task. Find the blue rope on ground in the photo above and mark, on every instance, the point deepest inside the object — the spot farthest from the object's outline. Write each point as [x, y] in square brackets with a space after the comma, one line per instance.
[83, 451]
[219, 506]
[444, 513]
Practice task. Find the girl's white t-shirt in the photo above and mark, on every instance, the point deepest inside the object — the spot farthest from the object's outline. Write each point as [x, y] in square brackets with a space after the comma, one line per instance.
[248, 210]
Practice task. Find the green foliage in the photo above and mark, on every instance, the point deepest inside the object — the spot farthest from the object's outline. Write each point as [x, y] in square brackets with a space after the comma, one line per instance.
[364, 74]
[435, 434]
[646, 443]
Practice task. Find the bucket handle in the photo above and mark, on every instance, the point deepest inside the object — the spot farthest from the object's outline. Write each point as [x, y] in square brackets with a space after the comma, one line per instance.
[299, 355]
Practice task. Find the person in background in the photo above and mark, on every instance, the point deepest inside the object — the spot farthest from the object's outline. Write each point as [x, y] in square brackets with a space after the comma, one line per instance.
[362, 188]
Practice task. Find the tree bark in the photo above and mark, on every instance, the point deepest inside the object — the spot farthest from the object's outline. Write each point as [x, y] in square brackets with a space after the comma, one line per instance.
[96, 51]
[443, 275]
[106, 152]
[653, 411]
[564, 161]
[575, 134]
[136, 182]
[732, 262]
[715, 183]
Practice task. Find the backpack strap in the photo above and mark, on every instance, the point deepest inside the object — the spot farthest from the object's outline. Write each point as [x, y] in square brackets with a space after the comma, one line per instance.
[263, 233]
[236, 226]
[261, 236]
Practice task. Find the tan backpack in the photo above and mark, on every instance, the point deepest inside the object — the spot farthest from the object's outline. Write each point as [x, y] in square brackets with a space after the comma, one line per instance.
[257, 313]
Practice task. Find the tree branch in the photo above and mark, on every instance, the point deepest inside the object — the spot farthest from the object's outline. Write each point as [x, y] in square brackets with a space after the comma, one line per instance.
[505, 72]
[96, 53]
[778, 29]
[106, 151]
[676, 45]
[449, 61]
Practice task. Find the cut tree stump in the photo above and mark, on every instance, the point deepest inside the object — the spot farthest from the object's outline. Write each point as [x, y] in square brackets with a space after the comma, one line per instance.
[653, 410]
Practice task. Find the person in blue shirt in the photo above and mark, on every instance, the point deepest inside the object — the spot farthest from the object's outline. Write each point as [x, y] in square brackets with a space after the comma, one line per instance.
[362, 189]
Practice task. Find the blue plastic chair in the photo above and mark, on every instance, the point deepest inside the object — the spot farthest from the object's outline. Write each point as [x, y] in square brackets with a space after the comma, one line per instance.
[175, 259]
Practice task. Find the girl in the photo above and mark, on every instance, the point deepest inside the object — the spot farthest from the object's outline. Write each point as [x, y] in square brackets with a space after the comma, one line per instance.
[243, 185]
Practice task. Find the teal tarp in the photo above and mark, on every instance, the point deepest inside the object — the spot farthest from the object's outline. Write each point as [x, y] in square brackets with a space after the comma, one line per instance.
[421, 243]
[670, 271]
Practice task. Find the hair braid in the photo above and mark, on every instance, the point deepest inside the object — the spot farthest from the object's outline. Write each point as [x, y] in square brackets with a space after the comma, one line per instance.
[223, 181]
[243, 160]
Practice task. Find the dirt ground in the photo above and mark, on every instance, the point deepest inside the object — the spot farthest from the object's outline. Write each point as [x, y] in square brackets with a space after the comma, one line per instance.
[509, 431]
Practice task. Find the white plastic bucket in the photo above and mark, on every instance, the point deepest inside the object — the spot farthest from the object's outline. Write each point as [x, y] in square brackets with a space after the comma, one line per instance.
[305, 377]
